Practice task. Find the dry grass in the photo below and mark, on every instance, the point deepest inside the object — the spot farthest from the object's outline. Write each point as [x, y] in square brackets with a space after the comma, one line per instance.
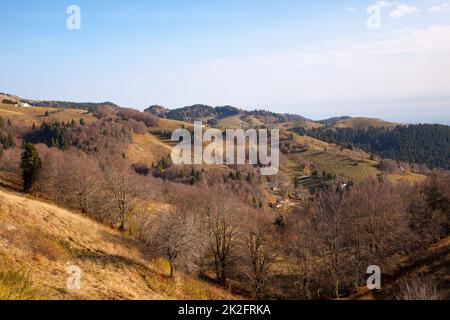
[338, 164]
[364, 123]
[309, 143]
[30, 115]
[170, 125]
[307, 124]
[233, 122]
[146, 149]
[410, 177]
[43, 240]
[16, 285]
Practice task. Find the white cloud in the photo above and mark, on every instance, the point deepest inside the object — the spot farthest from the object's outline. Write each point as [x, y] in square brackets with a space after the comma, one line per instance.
[403, 10]
[444, 7]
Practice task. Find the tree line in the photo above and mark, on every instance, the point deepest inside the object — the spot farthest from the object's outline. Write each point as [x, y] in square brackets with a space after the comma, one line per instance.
[420, 144]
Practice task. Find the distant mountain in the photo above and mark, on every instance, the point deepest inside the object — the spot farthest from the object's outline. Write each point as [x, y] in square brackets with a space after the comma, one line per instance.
[334, 120]
[214, 115]
[158, 111]
[363, 123]
[194, 112]
[224, 116]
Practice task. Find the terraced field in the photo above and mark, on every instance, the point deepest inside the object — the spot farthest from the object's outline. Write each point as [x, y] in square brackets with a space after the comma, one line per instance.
[312, 183]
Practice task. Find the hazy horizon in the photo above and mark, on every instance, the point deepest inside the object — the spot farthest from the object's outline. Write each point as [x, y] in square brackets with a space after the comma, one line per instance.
[318, 60]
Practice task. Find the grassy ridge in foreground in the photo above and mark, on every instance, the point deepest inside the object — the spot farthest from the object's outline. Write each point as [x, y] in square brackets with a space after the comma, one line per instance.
[38, 241]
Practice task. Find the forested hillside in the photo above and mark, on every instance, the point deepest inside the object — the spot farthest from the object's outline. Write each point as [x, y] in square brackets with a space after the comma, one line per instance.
[202, 112]
[211, 231]
[422, 144]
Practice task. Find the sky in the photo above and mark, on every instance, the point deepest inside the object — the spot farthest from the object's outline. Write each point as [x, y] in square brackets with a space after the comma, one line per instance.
[318, 59]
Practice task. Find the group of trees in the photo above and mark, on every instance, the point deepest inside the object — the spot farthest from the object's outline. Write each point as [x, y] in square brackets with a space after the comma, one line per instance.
[327, 244]
[215, 233]
[106, 189]
[80, 165]
[195, 112]
[214, 225]
[94, 137]
[6, 136]
[421, 144]
[342, 232]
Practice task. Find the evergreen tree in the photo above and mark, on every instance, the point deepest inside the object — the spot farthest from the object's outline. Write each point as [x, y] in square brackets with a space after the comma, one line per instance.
[30, 164]
[421, 144]
[280, 222]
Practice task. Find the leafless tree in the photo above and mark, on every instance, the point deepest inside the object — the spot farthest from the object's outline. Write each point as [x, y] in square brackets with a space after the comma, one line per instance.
[175, 237]
[416, 288]
[389, 166]
[222, 230]
[86, 182]
[124, 188]
[260, 254]
[330, 221]
[305, 244]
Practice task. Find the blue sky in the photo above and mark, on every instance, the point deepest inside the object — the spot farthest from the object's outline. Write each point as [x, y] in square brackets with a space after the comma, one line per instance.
[315, 58]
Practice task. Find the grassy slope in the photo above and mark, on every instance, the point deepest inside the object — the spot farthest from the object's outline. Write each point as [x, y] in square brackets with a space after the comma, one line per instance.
[343, 162]
[30, 115]
[233, 122]
[38, 240]
[363, 123]
[307, 124]
[147, 149]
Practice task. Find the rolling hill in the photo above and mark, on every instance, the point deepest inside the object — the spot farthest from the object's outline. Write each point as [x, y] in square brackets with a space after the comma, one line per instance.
[29, 115]
[359, 123]
[231, 117]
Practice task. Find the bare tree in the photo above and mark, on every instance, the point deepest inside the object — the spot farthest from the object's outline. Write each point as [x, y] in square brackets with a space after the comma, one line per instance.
[175, 237]
[222, 232]
[86, 181]
[329, 221]
[305, 244]
[260, 255]
[418, 289]
[141, 223]
[123, 185]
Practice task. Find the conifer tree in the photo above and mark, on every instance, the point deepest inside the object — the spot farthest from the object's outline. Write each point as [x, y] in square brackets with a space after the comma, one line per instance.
[30, 164]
